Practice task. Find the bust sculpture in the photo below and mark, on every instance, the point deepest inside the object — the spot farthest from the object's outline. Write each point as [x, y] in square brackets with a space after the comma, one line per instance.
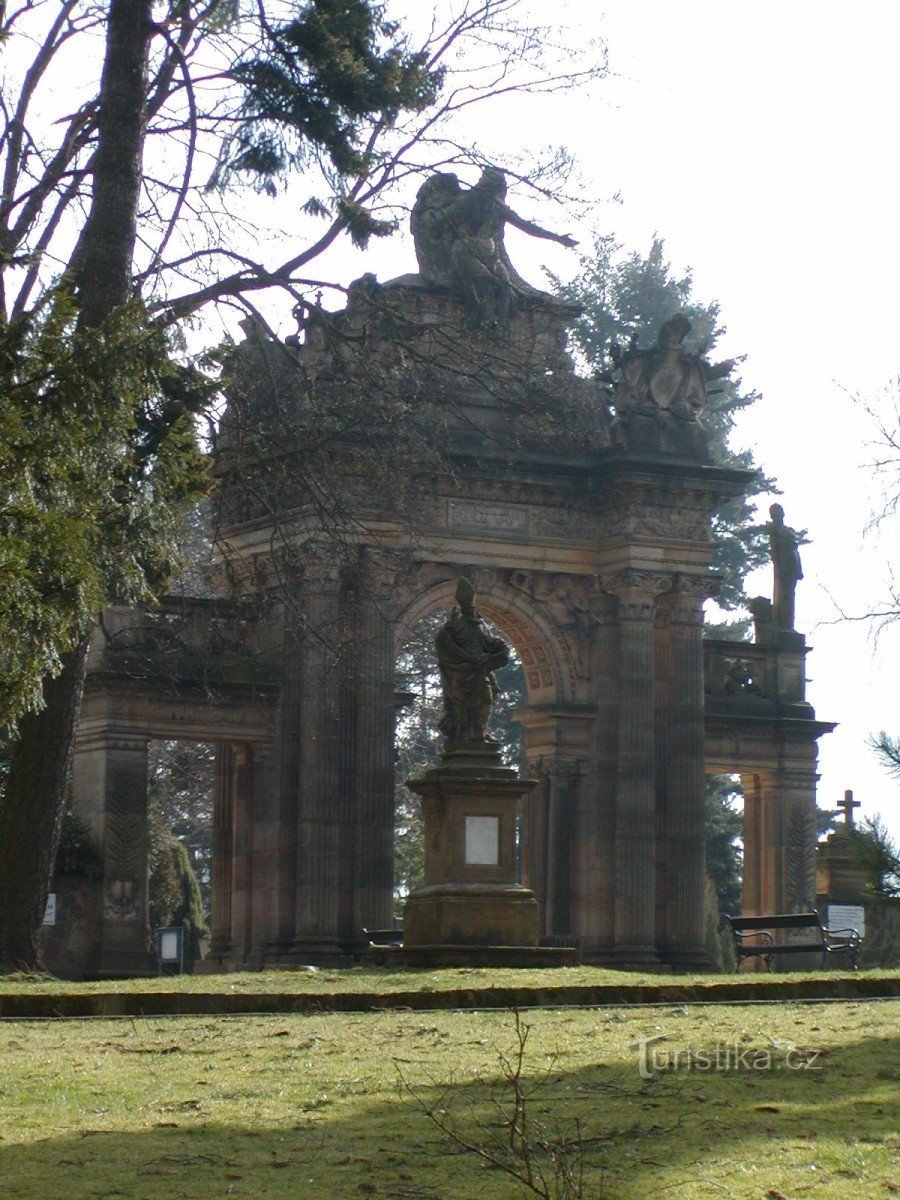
[458, 235]
[468, 654]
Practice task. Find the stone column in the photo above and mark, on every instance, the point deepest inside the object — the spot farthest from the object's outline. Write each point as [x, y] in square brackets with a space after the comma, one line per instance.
[264, 831]
[285, 770]
[562, 804]
[243, 789]
[319, 809]
[780, 841]
[756, 887]
[222, 856]
[535, 836]
[684, 790]
[546, 842]
[110, 793]
[369, 751]
[557, 741]
[635, 836]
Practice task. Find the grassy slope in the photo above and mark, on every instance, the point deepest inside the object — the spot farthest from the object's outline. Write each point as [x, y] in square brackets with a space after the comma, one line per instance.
[365, 979]
[310, 1105]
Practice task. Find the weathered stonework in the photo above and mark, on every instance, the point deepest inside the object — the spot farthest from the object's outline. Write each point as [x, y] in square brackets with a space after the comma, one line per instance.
[588, 548]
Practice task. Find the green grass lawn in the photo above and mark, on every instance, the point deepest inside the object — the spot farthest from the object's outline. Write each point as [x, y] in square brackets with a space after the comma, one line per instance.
[315, 1106]
[384, 979]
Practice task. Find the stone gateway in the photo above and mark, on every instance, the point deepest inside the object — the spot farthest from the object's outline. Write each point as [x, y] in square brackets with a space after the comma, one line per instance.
[436, 428]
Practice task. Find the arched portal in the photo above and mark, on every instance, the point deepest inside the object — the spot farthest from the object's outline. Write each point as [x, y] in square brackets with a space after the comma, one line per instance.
[556, 718]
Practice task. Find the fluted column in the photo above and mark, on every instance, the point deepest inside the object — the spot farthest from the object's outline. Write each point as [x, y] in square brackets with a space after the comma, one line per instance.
[562, 803]
[755, 789]
[797, 785]
[222, 854]
[535, 837]
[287, 851]
[243, 887]
[684, 794]
[635, 817]
[369, 830]
[319, 807]
[547, 816]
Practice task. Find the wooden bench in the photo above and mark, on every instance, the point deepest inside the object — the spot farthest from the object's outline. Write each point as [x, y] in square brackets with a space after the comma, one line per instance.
[754, 937]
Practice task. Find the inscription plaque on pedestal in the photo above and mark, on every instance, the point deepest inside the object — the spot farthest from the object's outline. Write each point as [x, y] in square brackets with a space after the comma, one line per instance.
[482, 841]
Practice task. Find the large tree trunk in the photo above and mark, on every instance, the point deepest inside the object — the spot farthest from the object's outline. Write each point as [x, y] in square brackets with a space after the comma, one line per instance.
[103, 270]
[36, 785]
[31, 814]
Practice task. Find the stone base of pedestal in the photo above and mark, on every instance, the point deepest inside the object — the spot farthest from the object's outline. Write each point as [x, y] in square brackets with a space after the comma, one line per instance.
[690, 958]
[473, 914]
[474, 956]
[629, 957]
[121, 958]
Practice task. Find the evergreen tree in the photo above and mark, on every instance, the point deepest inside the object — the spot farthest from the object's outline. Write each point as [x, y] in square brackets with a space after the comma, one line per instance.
[724, 827]
[174, 895]
[180, 804]
[624, 294]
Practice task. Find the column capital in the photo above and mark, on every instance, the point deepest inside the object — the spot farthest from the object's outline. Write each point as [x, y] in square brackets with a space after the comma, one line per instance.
[636, 591]
[104, 740]
[687, 596]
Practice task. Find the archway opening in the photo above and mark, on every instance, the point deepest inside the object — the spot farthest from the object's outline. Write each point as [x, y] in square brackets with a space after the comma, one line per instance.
[724, 862]
[180, 791]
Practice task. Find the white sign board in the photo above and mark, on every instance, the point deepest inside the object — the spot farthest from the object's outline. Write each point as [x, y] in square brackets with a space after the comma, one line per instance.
[483, 841]
[170, 945]
[50, 910]
[847, 916]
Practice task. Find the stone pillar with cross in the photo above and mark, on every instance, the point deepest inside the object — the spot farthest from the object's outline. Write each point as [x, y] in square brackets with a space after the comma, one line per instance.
[847, 805]
[840, 876]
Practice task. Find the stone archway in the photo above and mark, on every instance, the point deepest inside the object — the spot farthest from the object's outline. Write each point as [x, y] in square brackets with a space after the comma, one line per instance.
[589, 539]
[534, 612]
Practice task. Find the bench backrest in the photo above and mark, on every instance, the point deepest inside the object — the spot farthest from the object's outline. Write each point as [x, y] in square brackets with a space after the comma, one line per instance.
[779, 921]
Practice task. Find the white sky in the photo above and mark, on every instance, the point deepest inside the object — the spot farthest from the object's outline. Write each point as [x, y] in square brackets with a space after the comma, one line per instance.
[758, 138]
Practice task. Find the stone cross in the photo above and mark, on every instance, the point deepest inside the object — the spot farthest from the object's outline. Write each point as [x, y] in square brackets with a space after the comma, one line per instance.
[848, 804]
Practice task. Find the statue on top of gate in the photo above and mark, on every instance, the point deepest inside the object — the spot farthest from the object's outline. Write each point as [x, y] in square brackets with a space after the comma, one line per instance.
[458, 235]
[659, 394]
[468, 654]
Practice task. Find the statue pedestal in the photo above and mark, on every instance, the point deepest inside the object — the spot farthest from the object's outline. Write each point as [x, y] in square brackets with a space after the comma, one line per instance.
[471, 910]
